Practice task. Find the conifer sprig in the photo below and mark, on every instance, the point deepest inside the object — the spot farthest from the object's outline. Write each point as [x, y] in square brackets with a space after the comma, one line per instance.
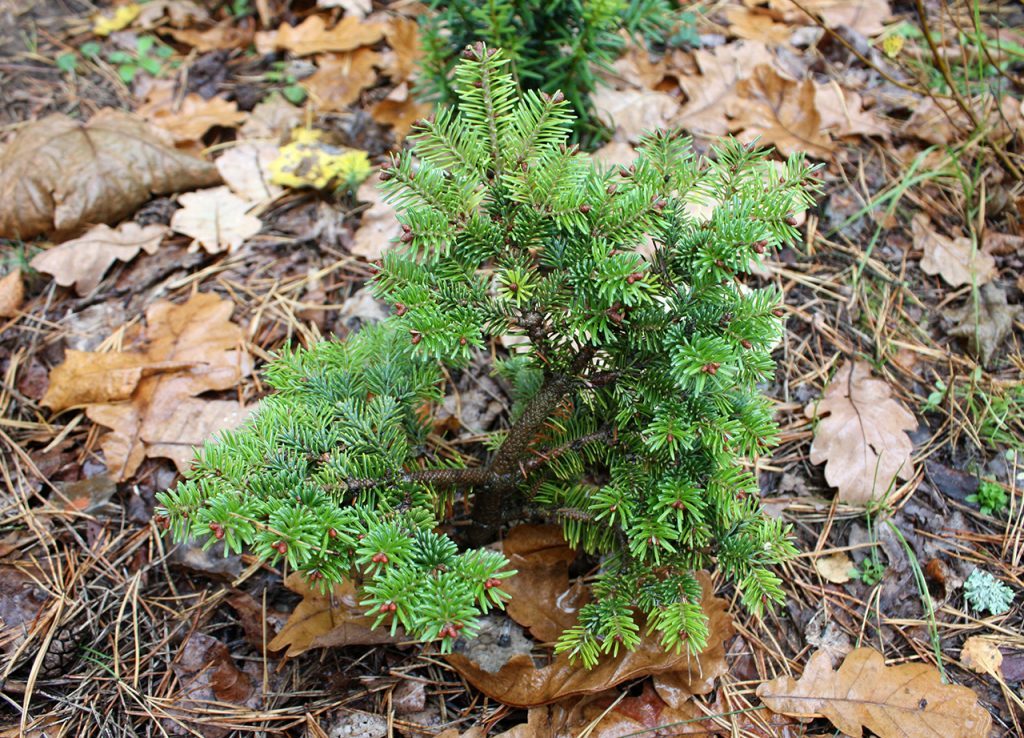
[551, 44]
[634, 400]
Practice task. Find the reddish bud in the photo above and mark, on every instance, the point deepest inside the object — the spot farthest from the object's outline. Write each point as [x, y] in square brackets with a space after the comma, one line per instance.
[416, 337]
[218, 530]
[400, 309]
[634, 277]
[611, 189]
[380, 558]
[282, 547]
[760, 246]
[406, 228]
[513, 287]
[462, 340]
[524, 167]
[778, 312]
[585, 208]
[791, 220]
[710, 368]
[670, 438]
[746, 344]
[558, 97]
[407, 237]
[492, 583]
[678, 505]
[332, 533]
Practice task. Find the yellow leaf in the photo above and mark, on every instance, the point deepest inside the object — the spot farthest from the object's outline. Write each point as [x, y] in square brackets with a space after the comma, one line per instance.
[309, 161]
[893, 45]
[104, 25]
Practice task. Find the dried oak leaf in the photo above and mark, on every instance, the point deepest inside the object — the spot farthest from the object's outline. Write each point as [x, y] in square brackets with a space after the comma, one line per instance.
[867, 17]
[986, 324]
[328, 620]
[400, 110]
[403, 37]
[542, 599]
[246, 171]
[954, 259]
[83, 261]
[779, 111]
[222, 36]
[861, 435]
[521, 684]
[835, 567]
[757, 24]
[194, 116]
[632, 113]
[216, 218]
[893, 701]
[981, 655]
[313, 37]
[340, 78]
[709, 93]
[207, 674]
[842, 113]
[149, 398]
[379, 226]
[12, 294]
[271, 118]
[60, 174]
[648, 714]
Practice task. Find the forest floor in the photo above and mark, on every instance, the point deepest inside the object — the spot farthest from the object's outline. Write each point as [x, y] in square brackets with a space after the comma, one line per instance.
[905, 326]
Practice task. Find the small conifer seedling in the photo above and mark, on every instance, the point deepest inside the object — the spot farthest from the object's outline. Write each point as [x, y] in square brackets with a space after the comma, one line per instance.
[634, 407]
[551, 44]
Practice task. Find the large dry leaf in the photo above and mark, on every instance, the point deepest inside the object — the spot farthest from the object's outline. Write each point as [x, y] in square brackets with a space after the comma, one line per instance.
[340, 78]
[778, 111]
[708, 94]
[83, 261]
[216, 218]
[196, 115]
[954, 259]
[313, 37]
[60, 174]
[987, 323]
[149, 397]
[521, 684]
[542, 599]
[12, 294]
[864, 16]
[861, 435]
[328, 620]
[905, 701]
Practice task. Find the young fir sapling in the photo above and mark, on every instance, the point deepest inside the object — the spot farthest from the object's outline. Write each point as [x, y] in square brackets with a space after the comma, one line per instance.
[634, 398]
[551, 45]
